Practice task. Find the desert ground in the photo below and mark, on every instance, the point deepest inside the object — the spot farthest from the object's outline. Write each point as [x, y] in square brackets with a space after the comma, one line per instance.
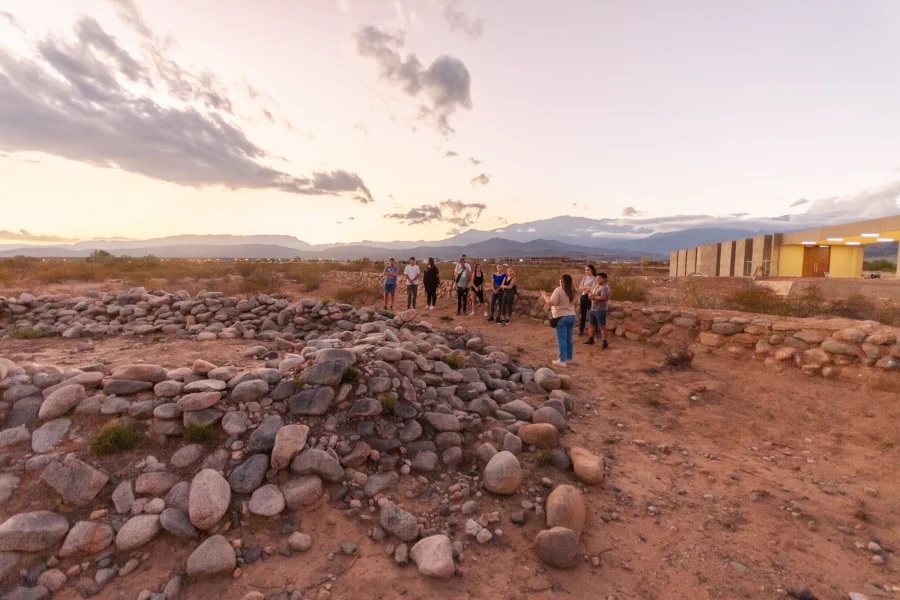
[724, 480]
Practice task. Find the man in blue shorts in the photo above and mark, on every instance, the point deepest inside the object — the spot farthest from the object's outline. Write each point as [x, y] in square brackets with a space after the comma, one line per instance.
[599, 296]
[391, 271]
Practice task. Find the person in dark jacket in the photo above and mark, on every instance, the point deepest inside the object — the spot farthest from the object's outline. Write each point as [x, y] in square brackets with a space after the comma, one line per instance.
[431, 279]
[587, 284]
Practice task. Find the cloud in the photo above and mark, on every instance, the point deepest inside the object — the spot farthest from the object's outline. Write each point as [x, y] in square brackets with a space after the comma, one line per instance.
[474, 161]
[6, 16]
[450, 153]
[799, 202]
[482, 179]
[631, 212]
[88, 99]
[445, 85]
[453, 212]
[459, 20]
[25, 236]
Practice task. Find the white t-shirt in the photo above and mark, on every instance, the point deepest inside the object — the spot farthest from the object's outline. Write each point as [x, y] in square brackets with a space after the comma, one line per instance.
[462, 281]
[412, 274]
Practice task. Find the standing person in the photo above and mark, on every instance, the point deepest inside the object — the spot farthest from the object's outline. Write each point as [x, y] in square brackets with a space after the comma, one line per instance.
[476, 290]
[587, 284]
[463, 273]
[562, 307]
[431, 278]
[599, 308]
[497, 278]
[509, 287]
[391, 271]
[411, 271]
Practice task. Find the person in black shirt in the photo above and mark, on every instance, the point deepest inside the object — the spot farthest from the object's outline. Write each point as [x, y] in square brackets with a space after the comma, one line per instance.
[476, 289]
[431, 279]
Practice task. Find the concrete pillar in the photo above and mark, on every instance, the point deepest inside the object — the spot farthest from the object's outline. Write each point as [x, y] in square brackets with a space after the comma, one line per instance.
[673, 263]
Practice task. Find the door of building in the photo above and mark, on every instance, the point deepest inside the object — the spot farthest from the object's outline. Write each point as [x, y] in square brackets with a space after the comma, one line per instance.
[816, 261]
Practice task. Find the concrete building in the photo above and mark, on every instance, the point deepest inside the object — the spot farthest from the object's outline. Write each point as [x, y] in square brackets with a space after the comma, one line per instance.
[835, 251]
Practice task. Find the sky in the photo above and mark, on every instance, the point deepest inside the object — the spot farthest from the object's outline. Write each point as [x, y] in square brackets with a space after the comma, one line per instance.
[350, 120]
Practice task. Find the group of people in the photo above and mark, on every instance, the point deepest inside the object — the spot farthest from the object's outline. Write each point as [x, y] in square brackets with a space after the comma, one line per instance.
[469, 282]
[590, 301]
[588, 304]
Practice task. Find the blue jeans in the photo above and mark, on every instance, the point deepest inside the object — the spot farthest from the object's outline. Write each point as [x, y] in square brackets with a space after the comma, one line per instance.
[565, 337]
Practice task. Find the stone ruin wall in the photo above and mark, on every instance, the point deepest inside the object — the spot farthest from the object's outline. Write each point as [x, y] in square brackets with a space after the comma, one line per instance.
[859, 351]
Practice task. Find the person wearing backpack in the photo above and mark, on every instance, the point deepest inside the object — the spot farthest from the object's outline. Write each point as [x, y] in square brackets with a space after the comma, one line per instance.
[463, 273]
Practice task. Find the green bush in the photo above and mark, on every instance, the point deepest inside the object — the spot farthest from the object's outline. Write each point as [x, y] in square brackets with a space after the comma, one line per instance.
[881, 264]
[25, 333]
[120, 437]
[388, 401]
[351, 375]
[454, 360]
[628, 289]
[544, 457]
[199, 433]
[756, 299]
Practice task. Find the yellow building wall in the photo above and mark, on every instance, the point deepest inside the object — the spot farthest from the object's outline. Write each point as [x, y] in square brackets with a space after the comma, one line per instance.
[846, 261]
[790, 261]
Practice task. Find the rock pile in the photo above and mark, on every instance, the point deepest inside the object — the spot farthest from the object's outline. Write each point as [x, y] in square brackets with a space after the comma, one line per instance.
[352, 403]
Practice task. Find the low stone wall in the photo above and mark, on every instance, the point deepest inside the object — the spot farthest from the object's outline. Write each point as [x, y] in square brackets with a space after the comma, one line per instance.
[830, 348]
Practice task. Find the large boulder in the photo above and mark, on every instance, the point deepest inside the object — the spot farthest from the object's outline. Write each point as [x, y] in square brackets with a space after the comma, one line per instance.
[398, 522]
[198, 401]
[249, 391]
[77, 482]
[247, 476]
[328, 373]
[263, 437]
[138, 531]
[208, 499]
[61, 402]
[289, 441]
[319, 462]
[558, 547]
[588, 466]
[541, 435]
[215, 556]
[148, 373]
[434, 557]
[32, 531]
[503, 474]
[547, 380]
[86, 538]
[313, 402]
[565, 508]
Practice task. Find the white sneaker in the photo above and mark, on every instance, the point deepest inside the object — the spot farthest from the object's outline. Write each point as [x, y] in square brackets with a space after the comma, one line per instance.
[557, 363]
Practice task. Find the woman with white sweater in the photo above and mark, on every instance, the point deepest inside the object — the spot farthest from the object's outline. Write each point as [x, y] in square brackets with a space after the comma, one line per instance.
[562, 309]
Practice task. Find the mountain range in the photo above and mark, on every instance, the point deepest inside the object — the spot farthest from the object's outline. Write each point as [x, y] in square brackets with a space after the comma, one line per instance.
[578, 237]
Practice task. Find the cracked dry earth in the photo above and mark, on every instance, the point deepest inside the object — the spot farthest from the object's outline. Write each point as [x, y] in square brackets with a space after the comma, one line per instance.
[726, 480]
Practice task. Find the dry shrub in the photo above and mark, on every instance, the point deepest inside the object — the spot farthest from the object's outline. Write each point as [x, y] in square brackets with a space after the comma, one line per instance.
[679, 357]
[756, 299]
[625, 289]
[355, 294]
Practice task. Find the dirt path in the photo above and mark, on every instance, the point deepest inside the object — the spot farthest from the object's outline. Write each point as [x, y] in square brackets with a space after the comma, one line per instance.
[726, 481]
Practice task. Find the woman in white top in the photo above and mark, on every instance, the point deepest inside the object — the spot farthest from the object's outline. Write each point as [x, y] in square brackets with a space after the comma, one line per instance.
[587, 284]
[562, 307]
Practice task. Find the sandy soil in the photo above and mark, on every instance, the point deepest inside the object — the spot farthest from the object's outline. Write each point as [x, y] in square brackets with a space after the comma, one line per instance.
[726, 480]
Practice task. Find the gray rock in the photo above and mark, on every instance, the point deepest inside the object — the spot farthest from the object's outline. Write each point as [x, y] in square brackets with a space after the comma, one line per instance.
[9, 483]
[379, 482]
[46, 437]
[205, 385]
[23, 412]
[209, 498]
[215, 556]
[434, 557]
[155, 483]
[263, 437]
[335, 354]
[302, 491]
[125, 387]
[289, 441]
[87, 537]
[319, 462]
[311, 402]
[198, 401]
[520, 409]
[186, 456]
[327, 373]
[558, 547]
[138, 531]
[442, 421]
[411, 432]
[547, 379]
[148, 373]
[179, 496]
[61, 401]
[503, 474]
[178, 523]
[235, 423]
[267, 501]
[452, 456]
[14, 436]
[247, 476]
[202, 418]
[249, 391]
[77, 482]
[425, 462]
[123, 497]
[548, 415]
[299, 542]
[398, 522]
[32, 531]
